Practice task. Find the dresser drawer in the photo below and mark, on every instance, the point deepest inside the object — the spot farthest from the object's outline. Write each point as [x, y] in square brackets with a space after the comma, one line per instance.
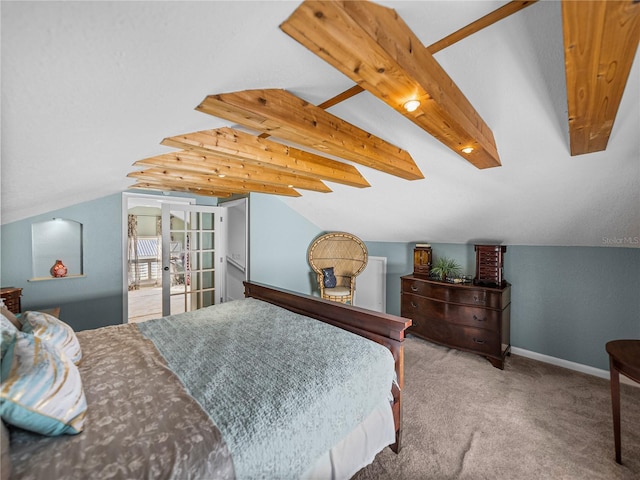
[468, 338]
[464, 294]
[415, 306]
[492, 256]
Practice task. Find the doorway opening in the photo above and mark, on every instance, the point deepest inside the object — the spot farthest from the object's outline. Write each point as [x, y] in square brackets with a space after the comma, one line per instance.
[175, 254]
[144, 263]
[142, 215]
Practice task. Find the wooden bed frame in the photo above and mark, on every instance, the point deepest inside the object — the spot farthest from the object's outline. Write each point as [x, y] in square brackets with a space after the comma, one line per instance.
[382, 328]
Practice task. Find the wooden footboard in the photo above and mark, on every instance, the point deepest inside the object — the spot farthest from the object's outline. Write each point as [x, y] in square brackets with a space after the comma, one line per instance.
[382, 328]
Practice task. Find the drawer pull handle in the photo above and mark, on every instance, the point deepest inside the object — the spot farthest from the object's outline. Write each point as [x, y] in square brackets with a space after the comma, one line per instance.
[479, 319]
[481, 342]
[414, 305]
[414, 288]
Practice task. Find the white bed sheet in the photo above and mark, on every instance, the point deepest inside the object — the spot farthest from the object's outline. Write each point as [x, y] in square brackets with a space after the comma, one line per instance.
[358, 449]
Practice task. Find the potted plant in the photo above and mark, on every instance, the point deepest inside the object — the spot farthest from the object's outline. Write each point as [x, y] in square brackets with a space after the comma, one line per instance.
[446, 267]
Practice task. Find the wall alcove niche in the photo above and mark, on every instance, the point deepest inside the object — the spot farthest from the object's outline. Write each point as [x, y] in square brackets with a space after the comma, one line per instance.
[52, 240]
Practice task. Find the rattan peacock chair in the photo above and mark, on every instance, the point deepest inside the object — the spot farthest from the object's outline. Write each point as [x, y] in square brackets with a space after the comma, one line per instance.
[347, 255]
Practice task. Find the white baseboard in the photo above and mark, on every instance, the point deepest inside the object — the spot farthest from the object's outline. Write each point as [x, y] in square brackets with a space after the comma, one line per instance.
[598, 372]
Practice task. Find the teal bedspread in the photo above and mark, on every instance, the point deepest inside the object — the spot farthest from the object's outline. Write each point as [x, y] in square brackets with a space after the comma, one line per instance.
[282, 388]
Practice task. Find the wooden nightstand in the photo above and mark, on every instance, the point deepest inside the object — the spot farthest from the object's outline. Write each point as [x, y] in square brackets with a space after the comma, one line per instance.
[11, 298]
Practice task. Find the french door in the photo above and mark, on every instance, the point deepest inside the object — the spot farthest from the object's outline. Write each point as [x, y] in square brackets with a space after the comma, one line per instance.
[193, 257]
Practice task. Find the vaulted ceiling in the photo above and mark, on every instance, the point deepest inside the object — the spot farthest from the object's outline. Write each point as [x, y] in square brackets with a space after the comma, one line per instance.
[538, 93]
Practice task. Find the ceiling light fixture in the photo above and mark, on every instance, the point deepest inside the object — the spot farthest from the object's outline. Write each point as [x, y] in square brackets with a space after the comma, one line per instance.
[467, 150]
[221, 175]
[411, 105]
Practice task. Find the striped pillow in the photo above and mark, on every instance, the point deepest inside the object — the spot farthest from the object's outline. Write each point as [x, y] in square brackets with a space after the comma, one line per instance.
[41, 388]
[55, 331]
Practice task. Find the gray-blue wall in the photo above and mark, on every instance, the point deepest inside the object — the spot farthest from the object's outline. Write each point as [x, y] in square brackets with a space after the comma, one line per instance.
[278, 241]
[567, 302]
[88, 302]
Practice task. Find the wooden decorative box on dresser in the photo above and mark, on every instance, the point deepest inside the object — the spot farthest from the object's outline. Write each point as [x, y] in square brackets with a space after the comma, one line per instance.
[490, 265]
[463, 316]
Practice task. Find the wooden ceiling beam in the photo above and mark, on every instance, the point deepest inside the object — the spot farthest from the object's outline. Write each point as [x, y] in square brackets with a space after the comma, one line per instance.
[373, 46]
[600, 43]
[281, 114]
[474, 27]
[231, 168]
[229, 143]
[180, 188]
[169, 177]
[466, 31]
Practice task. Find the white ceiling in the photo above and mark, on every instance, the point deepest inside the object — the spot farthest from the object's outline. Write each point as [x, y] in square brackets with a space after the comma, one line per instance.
[88, 88]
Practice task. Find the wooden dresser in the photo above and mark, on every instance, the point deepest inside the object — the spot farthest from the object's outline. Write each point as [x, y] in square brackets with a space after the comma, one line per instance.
[11, 298]
[463, 316]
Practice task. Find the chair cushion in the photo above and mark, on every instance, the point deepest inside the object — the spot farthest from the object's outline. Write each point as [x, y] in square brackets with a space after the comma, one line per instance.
[337, 291]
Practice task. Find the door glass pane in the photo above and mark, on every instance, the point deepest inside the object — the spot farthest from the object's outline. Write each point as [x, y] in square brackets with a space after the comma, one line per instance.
[190, 221]
[195, 261]
[177, 240]
[194, 241]
[208, 298]
[196, 284]
[207, 259]
[208, 279]
[177, 221]
[194, 300]
[207, 221]
[208, 240]
[177, 267]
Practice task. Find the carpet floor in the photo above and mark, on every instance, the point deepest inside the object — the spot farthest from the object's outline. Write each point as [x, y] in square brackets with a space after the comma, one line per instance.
[465, 419]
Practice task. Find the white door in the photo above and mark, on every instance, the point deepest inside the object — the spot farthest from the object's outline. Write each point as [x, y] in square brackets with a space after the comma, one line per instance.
[192, 257]
[236, 228]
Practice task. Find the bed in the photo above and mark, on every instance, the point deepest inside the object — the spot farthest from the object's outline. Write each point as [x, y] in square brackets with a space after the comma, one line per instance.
[165, 398]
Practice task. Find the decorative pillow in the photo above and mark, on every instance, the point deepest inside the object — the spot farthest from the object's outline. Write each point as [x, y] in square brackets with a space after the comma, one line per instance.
[329, 279]
[41, 388]
[11, 317]
[55, 331]
[8, 332]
